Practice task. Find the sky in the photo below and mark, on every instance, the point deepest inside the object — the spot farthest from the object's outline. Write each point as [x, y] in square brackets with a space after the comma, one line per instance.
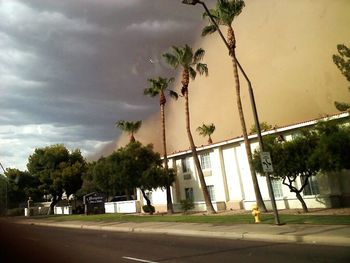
[70, 69]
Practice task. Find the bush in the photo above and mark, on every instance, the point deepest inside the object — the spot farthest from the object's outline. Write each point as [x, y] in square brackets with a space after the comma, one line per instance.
[148, 209]
[186, 205]
[15, 212]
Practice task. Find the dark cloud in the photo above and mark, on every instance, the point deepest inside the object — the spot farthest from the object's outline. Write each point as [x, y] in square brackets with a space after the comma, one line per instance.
[81, 65]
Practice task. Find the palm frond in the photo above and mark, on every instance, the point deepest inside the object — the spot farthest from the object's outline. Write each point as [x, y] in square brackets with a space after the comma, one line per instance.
[206, 129]
[170, 80]
[224, 13]
[120, 124]
[151, 91]
[192, 72]
[173, 94]
[341, 106]
[129, 126]
[187, 57]
[171, 59]
[208, 30]
[202, 69]
[198, 55]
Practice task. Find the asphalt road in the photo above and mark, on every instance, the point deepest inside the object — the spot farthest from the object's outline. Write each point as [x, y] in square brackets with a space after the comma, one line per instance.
[29, 243]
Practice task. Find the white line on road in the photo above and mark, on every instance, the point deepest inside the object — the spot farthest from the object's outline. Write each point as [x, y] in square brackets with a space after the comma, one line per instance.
[139, 260]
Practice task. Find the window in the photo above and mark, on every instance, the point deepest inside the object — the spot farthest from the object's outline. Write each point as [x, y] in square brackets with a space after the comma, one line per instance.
[312, 187]
[211, 191]
[205, 161]
[189, 193]
[277, 187]
[185, 165]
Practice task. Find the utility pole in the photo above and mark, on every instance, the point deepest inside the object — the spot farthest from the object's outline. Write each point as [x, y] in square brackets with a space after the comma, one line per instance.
[252, 101]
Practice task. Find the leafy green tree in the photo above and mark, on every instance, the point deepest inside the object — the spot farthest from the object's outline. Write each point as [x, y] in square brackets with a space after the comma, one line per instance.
[130, 127]
[57, 170]
[224, 14]
[292, 161]
[189, 61]
[332, 153]
[158, 87]
[342, 61]
[206, 130]
[21, 186]
[88, 185]
[139, 166]
[105, 177]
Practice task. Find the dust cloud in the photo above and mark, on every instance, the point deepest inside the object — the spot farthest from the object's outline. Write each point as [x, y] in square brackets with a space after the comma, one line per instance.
[286, 49]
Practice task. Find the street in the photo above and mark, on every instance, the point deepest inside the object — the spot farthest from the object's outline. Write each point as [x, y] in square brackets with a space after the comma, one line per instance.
[29, 243]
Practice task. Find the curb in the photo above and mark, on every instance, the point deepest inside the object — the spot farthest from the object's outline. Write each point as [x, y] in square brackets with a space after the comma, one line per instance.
[279, 238]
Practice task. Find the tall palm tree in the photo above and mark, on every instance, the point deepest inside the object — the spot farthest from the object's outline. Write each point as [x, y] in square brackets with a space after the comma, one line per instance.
[157, 88]
[207, 130]
[189, 61]
[130, 127]
[224, 14]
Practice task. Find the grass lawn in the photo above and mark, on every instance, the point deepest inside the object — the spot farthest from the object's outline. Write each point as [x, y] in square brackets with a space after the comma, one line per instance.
[212, 219]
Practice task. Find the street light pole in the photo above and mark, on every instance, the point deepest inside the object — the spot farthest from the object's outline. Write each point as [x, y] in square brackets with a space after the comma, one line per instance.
[252, 101]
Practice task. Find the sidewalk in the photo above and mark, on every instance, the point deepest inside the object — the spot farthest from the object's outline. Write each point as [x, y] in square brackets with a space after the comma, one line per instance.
[336, 235]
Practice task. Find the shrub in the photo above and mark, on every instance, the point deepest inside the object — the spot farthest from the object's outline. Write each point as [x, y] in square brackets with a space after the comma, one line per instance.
[15, 212]
[186, 205]
[148, 209]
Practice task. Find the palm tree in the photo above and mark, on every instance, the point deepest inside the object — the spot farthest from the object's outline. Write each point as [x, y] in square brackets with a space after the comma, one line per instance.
[224, 14]
[130, 127]
[157, 88]
[190, 64]
[207, 130]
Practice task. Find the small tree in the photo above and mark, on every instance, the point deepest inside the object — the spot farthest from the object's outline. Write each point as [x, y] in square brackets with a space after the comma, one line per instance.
[292, 161]
[342, 61]
[206, 130]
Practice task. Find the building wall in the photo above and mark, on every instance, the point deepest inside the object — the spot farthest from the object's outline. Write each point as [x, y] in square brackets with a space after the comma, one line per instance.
[229, 174]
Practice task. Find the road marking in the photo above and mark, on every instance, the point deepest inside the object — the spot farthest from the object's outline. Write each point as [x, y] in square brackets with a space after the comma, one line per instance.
[139, 260]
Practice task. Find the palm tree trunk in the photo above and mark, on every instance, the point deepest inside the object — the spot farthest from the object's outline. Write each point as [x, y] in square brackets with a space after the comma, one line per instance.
[210, 208]
[258, 196]
[169, 203]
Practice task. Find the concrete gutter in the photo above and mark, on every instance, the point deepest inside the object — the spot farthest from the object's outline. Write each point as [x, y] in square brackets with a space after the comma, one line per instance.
[334, 235]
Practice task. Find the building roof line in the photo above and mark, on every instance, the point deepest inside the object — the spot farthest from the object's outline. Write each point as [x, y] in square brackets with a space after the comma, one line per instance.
[269, 132]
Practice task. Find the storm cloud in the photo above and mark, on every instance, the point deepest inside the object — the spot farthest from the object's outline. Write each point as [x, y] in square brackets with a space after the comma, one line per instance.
[70, 69]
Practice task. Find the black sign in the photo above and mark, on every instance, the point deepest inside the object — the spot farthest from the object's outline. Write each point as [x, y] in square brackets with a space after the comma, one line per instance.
[94, 203]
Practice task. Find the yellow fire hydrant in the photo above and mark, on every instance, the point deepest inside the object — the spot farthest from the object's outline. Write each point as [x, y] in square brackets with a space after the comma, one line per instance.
[256, 213]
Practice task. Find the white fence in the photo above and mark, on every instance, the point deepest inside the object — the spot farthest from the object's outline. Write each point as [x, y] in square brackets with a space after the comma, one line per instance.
[125, 207]
[62, 210]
